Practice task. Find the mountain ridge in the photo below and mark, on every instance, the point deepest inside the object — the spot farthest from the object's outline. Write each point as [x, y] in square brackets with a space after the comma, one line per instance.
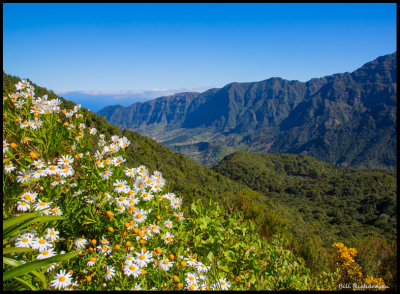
[277, 115]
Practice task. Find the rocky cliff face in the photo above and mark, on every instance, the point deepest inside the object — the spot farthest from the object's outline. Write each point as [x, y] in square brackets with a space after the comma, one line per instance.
[345, 119]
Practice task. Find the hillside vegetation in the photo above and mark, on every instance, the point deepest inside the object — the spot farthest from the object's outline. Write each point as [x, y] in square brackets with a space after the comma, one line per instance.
[242, 243]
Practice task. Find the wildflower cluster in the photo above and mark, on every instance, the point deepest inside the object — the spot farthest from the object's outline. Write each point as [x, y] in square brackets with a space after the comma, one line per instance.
[350, 271]
[123, 221]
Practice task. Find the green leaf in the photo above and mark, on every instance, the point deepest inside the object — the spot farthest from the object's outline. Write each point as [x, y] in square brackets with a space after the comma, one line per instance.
[16, 263]
[17, 226]
[16, 250]
[29, 267]
[16, 220]
[194, 208]
[26, 283]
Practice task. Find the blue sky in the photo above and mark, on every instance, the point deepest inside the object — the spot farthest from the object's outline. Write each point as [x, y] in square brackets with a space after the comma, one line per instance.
[130, 52]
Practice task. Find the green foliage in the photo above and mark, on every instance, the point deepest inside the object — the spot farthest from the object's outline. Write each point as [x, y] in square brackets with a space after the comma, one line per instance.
[314, 197]
[227, 232]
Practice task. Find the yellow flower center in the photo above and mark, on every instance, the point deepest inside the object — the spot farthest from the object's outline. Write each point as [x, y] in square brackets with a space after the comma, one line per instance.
[132, 268]
[140, 185]
[191, 278]
[169, 239]
[120, 185]
[80, 239]
[26, 175]
[27, 197]
[92, 259]
[139, 216]
[42, 242]
[165, 262]
[142, 257]
[52, 233]
[45, 252]
[52, 168]
[108, 272]
[121, 199]
[25, 240]
[222, 283]
[61, 279]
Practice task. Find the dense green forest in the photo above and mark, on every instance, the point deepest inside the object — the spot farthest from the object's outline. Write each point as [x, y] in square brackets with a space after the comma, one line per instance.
[346, 203]
[295, 195]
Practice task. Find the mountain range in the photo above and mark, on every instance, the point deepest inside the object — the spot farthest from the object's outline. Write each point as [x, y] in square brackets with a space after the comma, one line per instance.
[346, 119]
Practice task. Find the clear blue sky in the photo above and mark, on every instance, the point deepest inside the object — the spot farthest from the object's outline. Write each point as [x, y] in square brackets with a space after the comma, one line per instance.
[75, 47]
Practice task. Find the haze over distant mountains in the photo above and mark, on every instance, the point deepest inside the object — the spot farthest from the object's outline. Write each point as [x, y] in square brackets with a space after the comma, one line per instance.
[348, 119]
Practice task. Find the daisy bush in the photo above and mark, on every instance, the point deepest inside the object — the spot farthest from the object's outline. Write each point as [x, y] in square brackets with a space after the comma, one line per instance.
[119, 225]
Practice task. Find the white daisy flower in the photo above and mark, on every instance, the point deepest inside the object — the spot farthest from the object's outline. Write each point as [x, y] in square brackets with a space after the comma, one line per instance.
[143, 258]
[56, 211]
[191, 278]
[121, 201]
[191, 261]
[106, 174]
[40, 205]
[23, 206]
[176, 203]
[65, 160]
[168, 238]
[120, 186]
[129, 259]
[132, 270]
[224, 284]
[200, 267]
[139, 216]
[80, 243]
[91, 261]
[52, 234]
[165, 264]
[121, 209]
[41, 244]
[38, 163]
[140, 185]
[124, 142]
[154, 229]
[168, 224]
[5, 146]
[46, 254]
[52, 170]
[136, 287]
[147, 196]
[110, 272]
[25, 240]
[9, 167]
[118, 160]
[156, 187]
[179, 216]
[29, 196]
[39, 173]
[92, 131]
[104, 249]
[24, 176]
[61, 280]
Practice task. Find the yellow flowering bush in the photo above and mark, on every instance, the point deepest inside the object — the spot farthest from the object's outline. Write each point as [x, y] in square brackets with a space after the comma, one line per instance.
[349, 270]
